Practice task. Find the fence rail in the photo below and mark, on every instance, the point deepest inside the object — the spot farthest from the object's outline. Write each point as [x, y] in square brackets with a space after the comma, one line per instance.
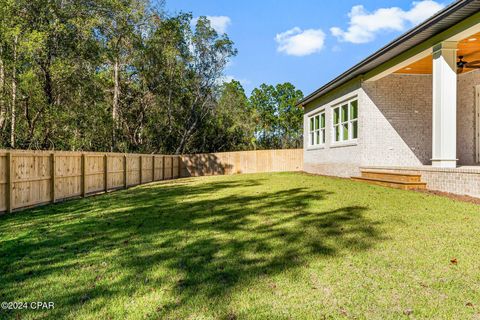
[31, 178]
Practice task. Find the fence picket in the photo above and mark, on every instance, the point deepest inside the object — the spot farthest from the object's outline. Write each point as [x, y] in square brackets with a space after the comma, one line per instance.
[10, 175]
[83, 190]
[52, 169]
[105, 176]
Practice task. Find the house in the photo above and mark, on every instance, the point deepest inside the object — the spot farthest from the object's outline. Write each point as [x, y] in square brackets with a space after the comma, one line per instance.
[410, 110]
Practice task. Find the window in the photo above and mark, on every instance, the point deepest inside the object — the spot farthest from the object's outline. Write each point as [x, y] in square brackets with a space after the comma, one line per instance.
[317, 129]
[345, 121]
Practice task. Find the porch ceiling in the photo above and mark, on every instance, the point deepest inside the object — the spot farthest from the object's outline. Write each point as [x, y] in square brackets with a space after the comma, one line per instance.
[469, 48]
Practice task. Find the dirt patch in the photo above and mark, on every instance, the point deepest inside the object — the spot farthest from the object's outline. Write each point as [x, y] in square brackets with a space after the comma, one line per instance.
[453, 196]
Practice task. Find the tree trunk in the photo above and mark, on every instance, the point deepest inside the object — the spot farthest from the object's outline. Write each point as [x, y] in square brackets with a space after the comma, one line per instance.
[186, 135]
[116, 94]
[3, 110]
[14, 92]
[47, 86]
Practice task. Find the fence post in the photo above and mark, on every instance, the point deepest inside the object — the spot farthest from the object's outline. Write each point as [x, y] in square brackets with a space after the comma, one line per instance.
[141, 169]
[171, 157]
[52, 168]
[84, 165]
[163, 167]
[153, 168]
[125, 171]
[105, 176]
[10, 175]
[179, 166]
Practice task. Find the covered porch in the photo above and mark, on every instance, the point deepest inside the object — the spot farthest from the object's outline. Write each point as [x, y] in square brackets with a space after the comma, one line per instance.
[436, 97]
[432, 103]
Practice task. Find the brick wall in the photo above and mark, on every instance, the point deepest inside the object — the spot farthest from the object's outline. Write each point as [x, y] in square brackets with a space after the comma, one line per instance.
[398, 121]
[339, 161]
[386, 135]
[466, 117]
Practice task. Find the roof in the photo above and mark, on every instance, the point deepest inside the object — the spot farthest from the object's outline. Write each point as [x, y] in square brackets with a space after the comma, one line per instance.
[441, 21]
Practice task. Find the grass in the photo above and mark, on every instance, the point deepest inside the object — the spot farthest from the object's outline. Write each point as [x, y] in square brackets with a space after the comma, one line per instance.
[262, 246]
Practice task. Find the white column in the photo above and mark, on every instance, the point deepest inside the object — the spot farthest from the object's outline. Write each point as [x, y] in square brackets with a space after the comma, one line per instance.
[444, 111]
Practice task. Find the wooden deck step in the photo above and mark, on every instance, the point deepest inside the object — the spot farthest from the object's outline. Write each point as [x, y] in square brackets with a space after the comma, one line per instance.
[399, 180]
[393, 183]
[389, 175]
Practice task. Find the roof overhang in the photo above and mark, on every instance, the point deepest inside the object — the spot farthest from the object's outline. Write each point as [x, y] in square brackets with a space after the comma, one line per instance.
[451, 23]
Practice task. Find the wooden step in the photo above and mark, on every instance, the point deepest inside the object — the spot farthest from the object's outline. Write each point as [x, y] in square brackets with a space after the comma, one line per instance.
[404, 185]
[392, 176]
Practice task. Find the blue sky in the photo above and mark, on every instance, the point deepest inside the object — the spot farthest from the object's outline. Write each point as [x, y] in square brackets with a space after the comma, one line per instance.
[306, 43]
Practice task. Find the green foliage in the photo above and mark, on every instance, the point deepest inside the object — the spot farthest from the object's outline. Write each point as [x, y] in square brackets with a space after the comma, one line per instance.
[122, 75]
[232, 128]
[279, 120]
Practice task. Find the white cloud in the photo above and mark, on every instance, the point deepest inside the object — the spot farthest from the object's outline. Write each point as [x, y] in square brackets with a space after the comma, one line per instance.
[422, 10]
[219, 23]
[364, 25]
[298, 42]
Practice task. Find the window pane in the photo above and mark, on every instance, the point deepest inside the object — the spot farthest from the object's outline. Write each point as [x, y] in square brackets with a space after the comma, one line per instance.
[353, 110]
[311, 124]
[317, 137]
[345, 131]
[323, 135]
[336, 115]
[322, 120]
[316, 122]
[311, 138]
[344, 113]
[354, 129]
[337, 133]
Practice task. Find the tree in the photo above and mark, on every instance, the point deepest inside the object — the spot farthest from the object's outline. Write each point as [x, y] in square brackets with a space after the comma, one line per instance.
[51, 56]
[290, 116]
[123, 75]
[209, 56]
[182, 71]
[279, 120]
[120, 33]
[163, 69]
[232, 127]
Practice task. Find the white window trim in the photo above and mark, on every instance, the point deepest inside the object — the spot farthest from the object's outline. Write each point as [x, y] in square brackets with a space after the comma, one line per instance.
[323, 134]
[350, 141]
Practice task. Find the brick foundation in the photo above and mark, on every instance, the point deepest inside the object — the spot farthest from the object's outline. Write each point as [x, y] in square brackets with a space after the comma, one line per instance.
[462, 181]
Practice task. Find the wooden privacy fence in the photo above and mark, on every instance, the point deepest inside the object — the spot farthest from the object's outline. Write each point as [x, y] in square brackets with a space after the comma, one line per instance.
[242, 162]
[31, 178]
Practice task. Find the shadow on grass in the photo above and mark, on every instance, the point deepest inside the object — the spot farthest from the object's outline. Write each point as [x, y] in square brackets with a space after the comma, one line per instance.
[203, 243]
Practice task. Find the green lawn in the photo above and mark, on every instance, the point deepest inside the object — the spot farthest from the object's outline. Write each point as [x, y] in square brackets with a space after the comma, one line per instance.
[261, 246]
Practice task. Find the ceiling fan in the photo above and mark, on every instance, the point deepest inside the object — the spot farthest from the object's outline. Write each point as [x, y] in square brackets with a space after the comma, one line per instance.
[462, 64]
